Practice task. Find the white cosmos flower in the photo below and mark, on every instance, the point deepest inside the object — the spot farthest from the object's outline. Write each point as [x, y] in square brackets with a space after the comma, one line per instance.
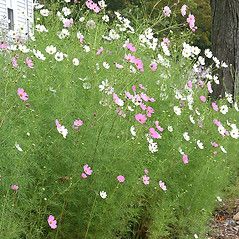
[86, 48]
[170, 128]
[66, 11]
[76, 62]
[234, 133]
[18, 147]
[41, 28]
[177, 110]
[23, 48]
[224, 109]
[103, 194]
[223, 149]
[153, 147]
[195, 50]
[106, 65]
[63, 131]
[186, 136]
[133, 131]
[200, 144]
[50, 49]
[208, 53]
[219, 199]
[44, 12]
[59, 56]
[105, 18]
[38, 55]
[191, 119]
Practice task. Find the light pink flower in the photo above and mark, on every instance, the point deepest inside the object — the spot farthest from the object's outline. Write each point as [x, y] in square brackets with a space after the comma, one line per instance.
[153, 66]
[214, 144]
[215, 106]
[190, 84]
[141, 118]
[146, 179]
[3, 45]
[146, 171]
[77, 124]
[167, 11]
[217, 122]
[203, 98]
[121, 178]
[22, 94]
[68, 22]
[209, 87]
[52, 222]
[185, 159]
[162, 185]
[29, 62]
[191, 22]
[133, 88]
[99, 51]
[14, 62]
[184, 10]
[166, 41]
[14, 187]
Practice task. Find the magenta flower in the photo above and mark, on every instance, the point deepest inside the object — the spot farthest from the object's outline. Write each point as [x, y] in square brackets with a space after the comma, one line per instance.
[185, 159]
[121, 178]
[29, 62]
[141, 118]
[14, 187]
[144, 97]
[52, 222]
[162, 185]
[154, 134]
[134, 88]
[88, 171]
[146, 179]
[150, 111]
[22, 94]
[131, 47]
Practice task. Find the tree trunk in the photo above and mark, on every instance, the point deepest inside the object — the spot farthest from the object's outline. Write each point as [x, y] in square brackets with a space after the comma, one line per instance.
[225, 44]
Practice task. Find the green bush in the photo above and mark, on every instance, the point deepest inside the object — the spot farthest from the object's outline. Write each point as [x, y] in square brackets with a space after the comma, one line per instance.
[42, 164]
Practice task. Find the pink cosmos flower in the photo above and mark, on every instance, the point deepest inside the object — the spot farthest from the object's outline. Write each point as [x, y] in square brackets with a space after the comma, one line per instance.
[68, 22]
[22, 94]
[77, 124]
[139, 65]
[214, 144]
[153, 66]
[209, 87]
[143, 106]
[142, 87]
[3, 45]
[215, 106]
[185, 159]
[141, 118]
[146, 171]
[83, 175]
[191, 21]
[29, 62]
[99, 51]
[166, 41]
[134, 88]
[160, 129]
[117, 100]
[121, 178]
[190, 84]
[88, 171]
[14, 62]
[150, 111]
[217, 122]
[144, 97]
[167, 11]
[14, 187]
[61, 128]
[154, 134]
[146, 179]
[92, 6]
[184, 10]
[52, 222]
[203, 98]
[130, 47]
[128, 95]
[162, 185]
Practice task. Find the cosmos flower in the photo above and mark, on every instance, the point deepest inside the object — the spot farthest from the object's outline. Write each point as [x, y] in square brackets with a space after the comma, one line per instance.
[52, 222]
